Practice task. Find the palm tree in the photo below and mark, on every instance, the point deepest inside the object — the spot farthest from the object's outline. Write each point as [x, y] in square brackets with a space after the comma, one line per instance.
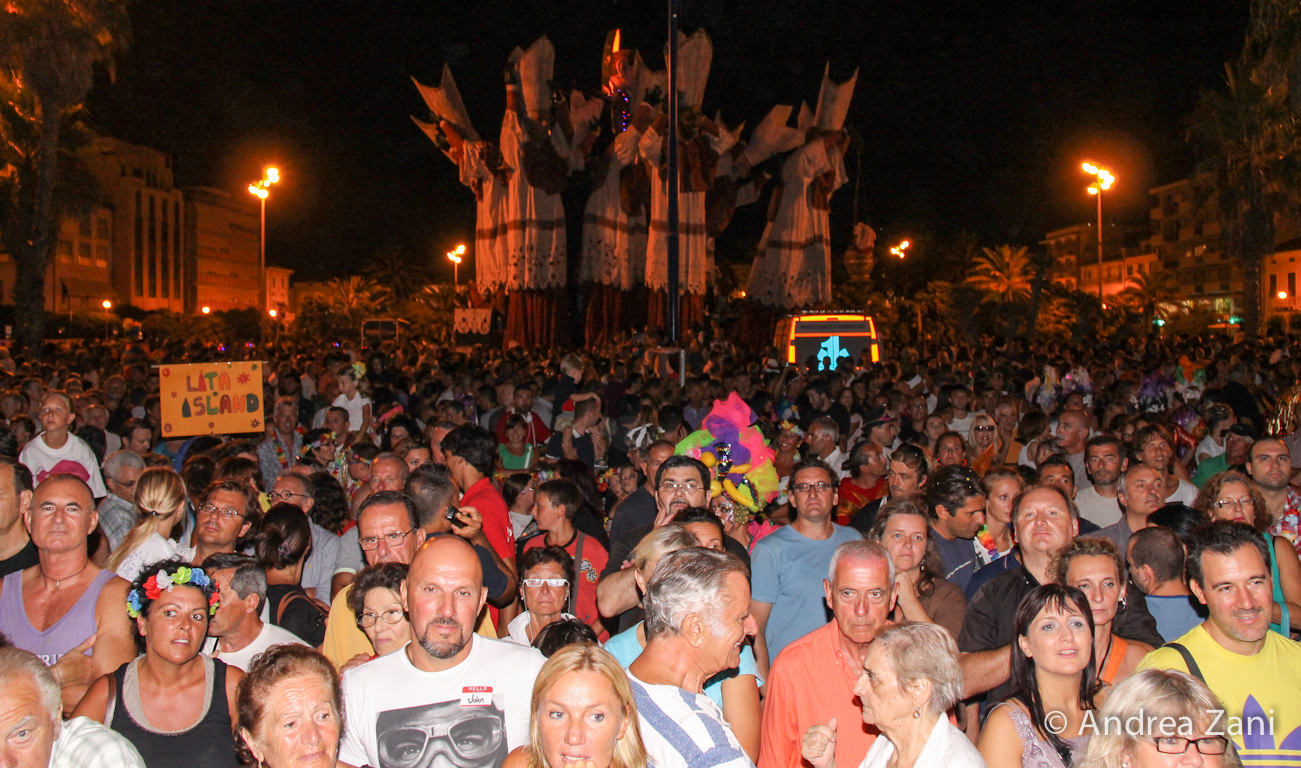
[49, 50]
[1150, 294]
[394, 268]
[1002, 274]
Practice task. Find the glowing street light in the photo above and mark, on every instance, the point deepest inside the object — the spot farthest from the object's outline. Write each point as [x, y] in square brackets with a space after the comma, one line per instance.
[205, 309]
[455, 256]
[1102, 181]
[261, 189]
[272, 313]
[107, 304]
[898, 250]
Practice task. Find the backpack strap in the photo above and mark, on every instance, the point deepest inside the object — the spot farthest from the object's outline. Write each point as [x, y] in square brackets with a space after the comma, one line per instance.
[1189, 661]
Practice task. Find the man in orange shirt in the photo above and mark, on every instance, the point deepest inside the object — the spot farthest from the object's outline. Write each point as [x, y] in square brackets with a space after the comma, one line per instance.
[860, 592]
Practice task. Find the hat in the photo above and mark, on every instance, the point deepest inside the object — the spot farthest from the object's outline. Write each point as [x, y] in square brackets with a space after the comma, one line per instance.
[875, 417]
[1243, 430]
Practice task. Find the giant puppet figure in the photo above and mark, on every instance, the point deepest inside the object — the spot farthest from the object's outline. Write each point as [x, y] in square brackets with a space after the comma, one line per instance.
[697, 155]
[793, 267]
[520, 227]
[613, 265]
[480, 167]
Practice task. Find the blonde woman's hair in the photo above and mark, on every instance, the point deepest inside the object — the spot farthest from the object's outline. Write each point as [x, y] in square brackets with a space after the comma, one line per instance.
[658, 543]
[1145, 698]
[159, 493]
[629, 752]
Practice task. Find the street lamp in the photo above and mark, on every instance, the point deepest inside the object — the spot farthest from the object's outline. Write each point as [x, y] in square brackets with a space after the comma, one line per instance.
[1102, 181]
[898, 250]
[455, 256]
[107, 305]
[207, 310]
[261, 189]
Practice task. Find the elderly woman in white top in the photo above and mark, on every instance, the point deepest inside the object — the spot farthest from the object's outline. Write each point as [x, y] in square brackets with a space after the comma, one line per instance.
[910, 679]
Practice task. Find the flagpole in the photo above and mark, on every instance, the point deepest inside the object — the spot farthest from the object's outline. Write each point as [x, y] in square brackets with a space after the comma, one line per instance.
[671, 288]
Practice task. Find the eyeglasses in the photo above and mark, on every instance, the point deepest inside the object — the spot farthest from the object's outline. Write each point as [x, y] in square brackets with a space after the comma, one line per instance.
[471, 740]
[394, 539]
[229, 513]
[391, 616]
[671, 486]
[535, 583]
[984, 428]
[1245, 501]
[1177, 745]
[821, 487]
[284, 495]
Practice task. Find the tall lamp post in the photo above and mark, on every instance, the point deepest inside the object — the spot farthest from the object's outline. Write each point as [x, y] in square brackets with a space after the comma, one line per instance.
[261, 189]
[455, 256]
[107, 304]
[1102, 181]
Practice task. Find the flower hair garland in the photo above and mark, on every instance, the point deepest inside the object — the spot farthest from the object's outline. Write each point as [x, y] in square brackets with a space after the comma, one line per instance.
[161, 582]
[359, 370]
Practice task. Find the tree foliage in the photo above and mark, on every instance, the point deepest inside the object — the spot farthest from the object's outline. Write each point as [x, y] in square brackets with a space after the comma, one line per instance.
[1252, 134]
[49, 51]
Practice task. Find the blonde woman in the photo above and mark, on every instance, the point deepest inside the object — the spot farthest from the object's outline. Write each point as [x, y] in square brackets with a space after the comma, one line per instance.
[1168, 717]
[160, 503]
[583, 714]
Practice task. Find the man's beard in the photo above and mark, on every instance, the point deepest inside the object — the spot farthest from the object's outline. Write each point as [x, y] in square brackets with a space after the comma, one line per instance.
[445, 650]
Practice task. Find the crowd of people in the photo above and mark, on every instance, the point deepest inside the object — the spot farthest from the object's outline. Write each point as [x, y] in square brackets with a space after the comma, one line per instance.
[625, 557]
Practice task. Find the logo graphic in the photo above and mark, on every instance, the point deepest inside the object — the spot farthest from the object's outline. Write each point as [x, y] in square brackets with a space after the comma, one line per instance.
[830, 352]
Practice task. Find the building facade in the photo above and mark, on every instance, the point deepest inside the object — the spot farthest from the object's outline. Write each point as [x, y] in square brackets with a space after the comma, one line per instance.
[222, 242]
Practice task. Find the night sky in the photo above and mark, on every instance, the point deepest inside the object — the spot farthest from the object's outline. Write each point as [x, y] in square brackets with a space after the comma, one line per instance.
[974, 114]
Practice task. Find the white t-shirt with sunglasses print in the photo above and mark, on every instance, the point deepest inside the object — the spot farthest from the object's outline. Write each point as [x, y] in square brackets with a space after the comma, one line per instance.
[473, 714]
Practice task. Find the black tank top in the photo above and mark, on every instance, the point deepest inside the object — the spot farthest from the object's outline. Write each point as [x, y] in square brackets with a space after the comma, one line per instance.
[208, 743]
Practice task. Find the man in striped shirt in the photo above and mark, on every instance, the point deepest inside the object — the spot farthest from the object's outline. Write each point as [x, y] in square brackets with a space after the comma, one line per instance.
[697, 618]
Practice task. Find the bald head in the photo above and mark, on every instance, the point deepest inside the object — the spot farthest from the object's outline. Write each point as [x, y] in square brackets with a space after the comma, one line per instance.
[443, 595]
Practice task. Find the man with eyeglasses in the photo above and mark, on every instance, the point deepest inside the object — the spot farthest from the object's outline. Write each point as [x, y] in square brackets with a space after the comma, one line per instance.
[859, 590]
[450, 697]
[682, 482]
[788, 564]
[237, 632]
[388, 531]
[1255, 673]
[318, 571]
[117, 512]
[278, 452]
[227, 514]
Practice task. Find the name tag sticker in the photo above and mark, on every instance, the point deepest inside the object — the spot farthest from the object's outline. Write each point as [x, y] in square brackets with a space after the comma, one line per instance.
[476, 696]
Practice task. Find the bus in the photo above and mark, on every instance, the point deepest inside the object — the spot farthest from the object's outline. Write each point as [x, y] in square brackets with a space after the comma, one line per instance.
[827, 337]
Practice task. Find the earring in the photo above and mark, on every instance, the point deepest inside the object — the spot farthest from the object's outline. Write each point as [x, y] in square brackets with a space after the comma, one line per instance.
[1122, 602]
[917, 712]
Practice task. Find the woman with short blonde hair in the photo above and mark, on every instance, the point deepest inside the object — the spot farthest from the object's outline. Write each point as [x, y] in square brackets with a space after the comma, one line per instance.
[1125, 736]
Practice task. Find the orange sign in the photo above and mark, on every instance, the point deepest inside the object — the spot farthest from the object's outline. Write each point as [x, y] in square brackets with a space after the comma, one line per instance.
[211, 398]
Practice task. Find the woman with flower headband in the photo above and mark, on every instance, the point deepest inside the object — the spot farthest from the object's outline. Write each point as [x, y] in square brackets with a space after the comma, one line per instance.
[352, 397]
[171, 702]
[320, 451]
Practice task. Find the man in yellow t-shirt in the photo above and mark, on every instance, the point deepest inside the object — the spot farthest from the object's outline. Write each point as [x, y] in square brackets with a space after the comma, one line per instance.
[1255, 673]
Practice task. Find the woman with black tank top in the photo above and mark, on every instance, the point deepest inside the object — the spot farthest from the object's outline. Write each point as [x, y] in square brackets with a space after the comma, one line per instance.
[171, 702]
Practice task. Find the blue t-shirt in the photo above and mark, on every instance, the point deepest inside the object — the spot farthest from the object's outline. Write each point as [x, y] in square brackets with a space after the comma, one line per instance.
[1175, 615]
[787, 569]
[625, 649]
[957, 558]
